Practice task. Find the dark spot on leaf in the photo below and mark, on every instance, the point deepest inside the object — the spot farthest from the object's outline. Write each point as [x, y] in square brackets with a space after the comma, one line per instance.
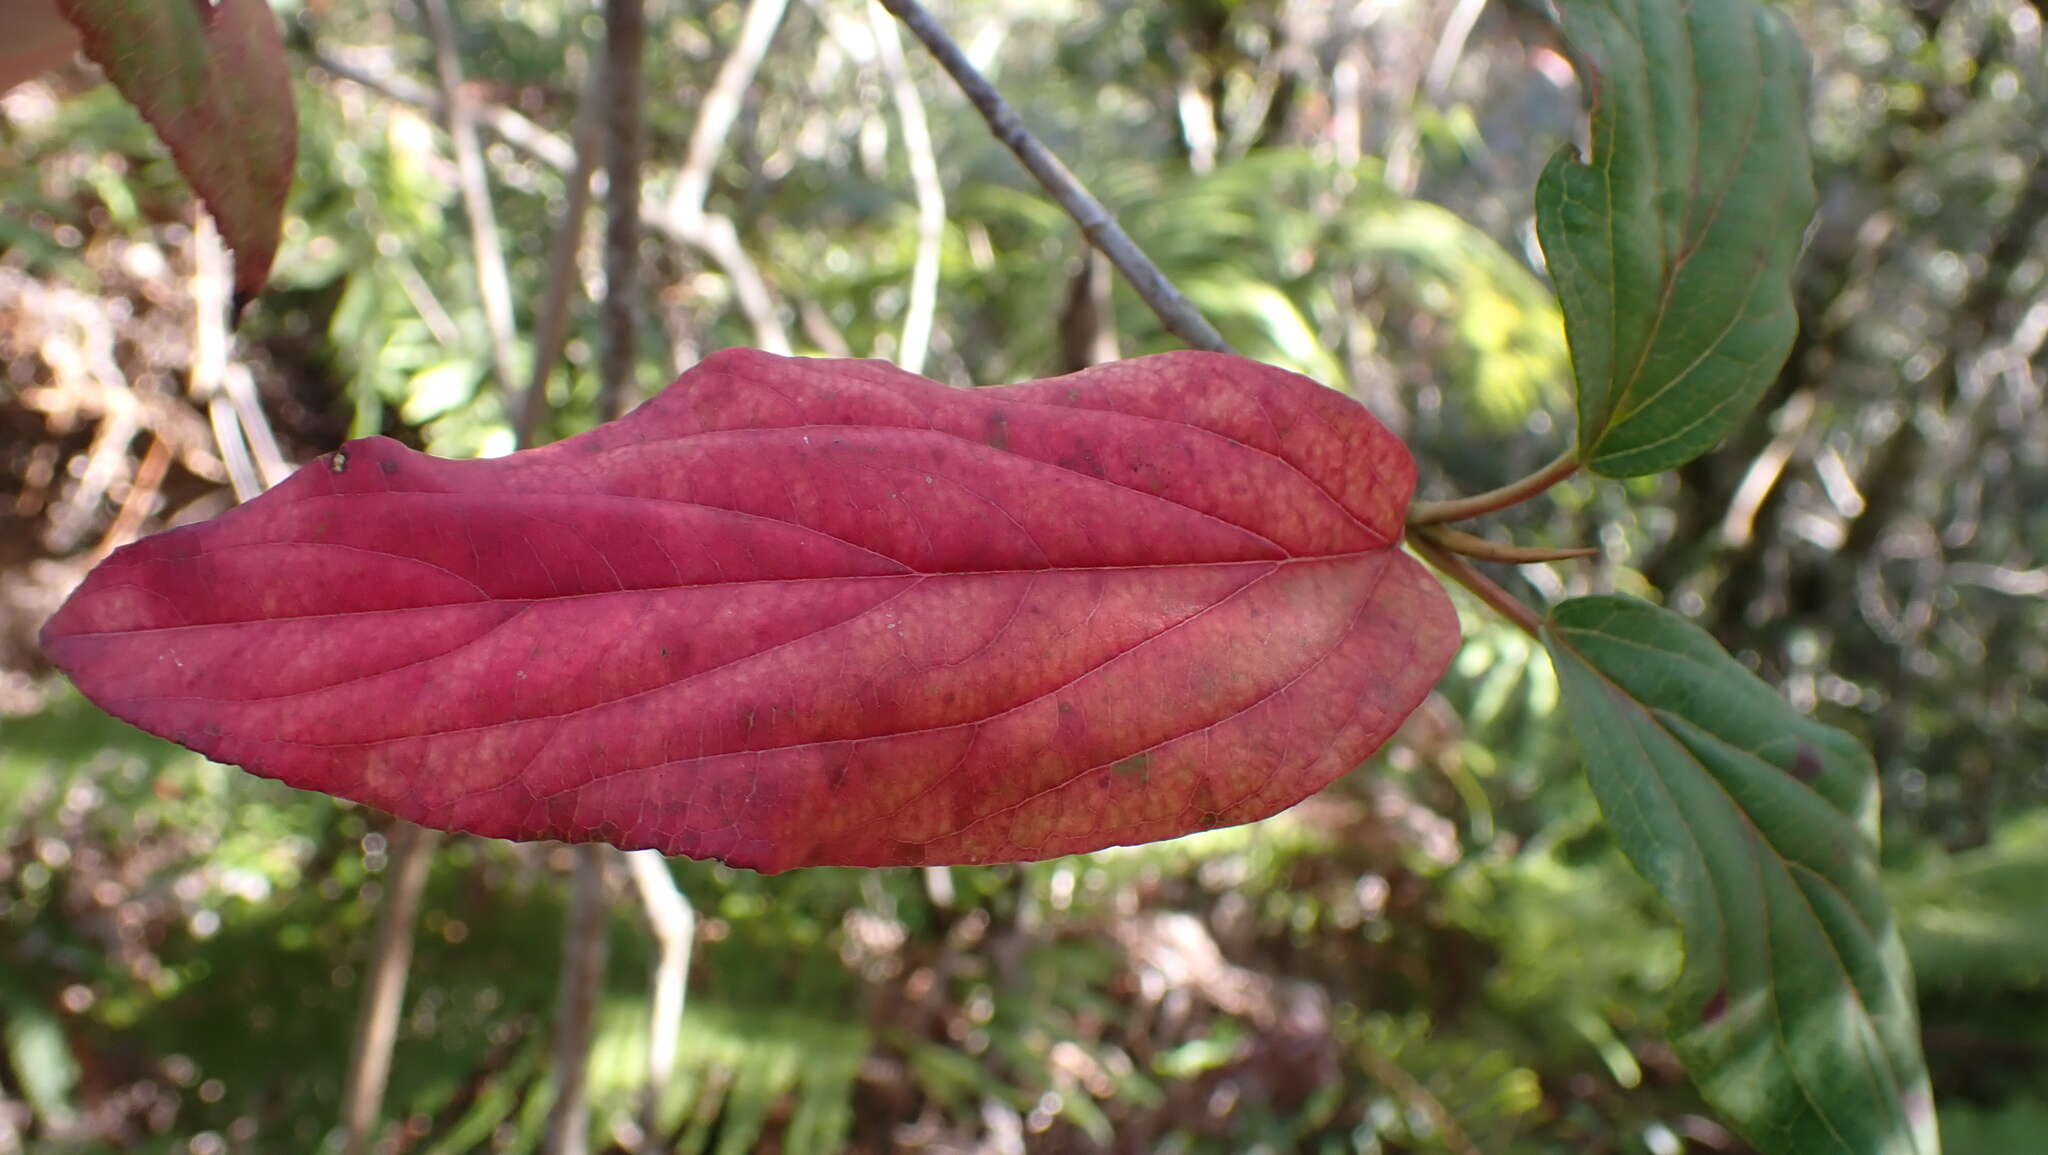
[1717, 1006]
[1209, 819]
[998, 430]
[389, 467]
[1135, 764]
[1806, 763]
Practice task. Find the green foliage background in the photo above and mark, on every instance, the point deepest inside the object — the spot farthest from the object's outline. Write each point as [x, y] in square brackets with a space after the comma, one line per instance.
[1445, 952]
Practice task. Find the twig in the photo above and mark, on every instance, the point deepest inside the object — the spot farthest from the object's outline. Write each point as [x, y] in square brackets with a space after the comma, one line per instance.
[684, 217]
[931, 196]
[503, 123]
[674, 923]
[494, 289]
[712, 234]
[1408, 1087]
[625, 45]
[1471, 545]
[369, 1060]
[720, 108]
[1495, 500]
[1466, 574]
[1175, 311]
[551, 320]
[584, 949]
[234, 452]
[567, 1131]
[240, 430]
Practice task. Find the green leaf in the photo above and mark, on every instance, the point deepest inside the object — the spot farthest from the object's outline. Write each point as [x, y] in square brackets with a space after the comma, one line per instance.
[1672, 246]
[1759, 826]
[210, 77]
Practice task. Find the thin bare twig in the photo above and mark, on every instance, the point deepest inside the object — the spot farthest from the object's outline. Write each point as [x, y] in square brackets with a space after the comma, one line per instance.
[711, 234]
[625, 45]
[684, 218]
[674, 923]
[720, 108]
[369, 1060]
[494, 288]
[1174, 310]
[551, 320]
[931, 195]
[567, 1131]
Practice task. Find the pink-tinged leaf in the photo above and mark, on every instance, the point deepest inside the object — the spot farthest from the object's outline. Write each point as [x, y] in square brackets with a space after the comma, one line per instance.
[37, 39]
[209, 76]
[798, 612]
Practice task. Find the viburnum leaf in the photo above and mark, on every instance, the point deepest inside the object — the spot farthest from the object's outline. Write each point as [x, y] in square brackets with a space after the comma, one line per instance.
[1672, 245]
[1759, 826]
[797, 612]
[209, 76]
[38, 39]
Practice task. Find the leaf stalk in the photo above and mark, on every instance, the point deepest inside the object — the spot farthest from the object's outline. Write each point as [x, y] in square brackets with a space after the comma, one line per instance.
[1494, 500]
[1472, 545]
[1484, 588]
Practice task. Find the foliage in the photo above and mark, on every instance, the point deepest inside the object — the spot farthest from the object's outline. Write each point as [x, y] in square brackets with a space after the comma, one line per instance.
[1867, 549]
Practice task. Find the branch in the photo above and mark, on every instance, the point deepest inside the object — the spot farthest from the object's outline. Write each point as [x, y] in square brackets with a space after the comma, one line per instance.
[369, 1060]
[674, 922]
[493, 287]
[931, 196]
[1175, 311]
[584, 948]
[567, 1131]
[720, 108]
[684, 218]
[712, 234]
[551, 321]
[625, 46]
[1493, 501]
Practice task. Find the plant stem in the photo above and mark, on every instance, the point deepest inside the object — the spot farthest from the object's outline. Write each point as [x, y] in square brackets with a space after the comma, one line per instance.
[674, 922]
[494, 289]
[625, 41]
[567, 1131]
[931, 197]
[551, 320]
[1174, 310]
[369, 1059]
[1493, 501]
[1471, 545]
[1466, 574]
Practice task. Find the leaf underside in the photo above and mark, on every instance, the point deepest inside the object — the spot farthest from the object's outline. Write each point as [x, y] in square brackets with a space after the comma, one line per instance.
[1672, 246]
[799, 612]
[1759, 826]
[38, 39]
[210, 77]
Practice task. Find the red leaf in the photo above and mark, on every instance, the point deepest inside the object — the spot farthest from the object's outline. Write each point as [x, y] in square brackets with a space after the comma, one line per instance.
[209, 76]
[800, 612]
[37, 40]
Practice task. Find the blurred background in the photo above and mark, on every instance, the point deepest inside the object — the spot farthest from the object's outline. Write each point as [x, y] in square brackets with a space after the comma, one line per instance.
[1444, 952]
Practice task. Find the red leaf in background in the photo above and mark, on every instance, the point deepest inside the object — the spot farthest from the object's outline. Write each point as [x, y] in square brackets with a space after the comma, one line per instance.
[210, 77]
[798, 612]
[38, 38]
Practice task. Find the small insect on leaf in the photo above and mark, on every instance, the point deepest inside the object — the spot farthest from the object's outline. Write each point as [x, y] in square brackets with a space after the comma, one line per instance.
[798, 612]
